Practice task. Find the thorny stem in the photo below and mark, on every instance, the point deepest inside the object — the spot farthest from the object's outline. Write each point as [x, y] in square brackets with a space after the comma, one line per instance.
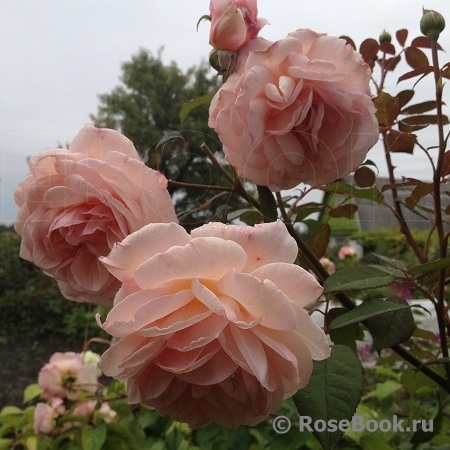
[181, 184]
[439, 305]
[404, 229]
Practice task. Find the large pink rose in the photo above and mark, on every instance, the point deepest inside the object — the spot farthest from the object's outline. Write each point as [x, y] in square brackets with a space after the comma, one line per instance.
[211, 325]
[233, 23]
[78, 202]
[65, 375]
[296, 111]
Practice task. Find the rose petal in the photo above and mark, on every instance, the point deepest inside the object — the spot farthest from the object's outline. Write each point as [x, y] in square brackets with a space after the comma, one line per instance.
[263, 244]
[208, 258]
[296, 283]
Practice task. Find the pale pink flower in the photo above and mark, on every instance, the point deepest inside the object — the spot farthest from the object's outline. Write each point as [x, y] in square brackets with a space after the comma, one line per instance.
[346, 251]
[45, 416]
[87, 409]
[65, 376]
[328, 265]
[233, 23]
[78, 202]
[296, 111]
[211, 325]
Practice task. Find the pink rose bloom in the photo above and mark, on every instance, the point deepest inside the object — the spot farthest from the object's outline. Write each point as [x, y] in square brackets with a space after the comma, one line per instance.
[45, 416]
[78, 202]
[346, 251]
[65, 376]
[211, 325]
[233, 23]
[296, 111]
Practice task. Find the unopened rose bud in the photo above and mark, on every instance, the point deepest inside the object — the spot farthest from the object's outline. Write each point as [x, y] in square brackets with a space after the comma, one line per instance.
[385, 37]
[432, 24]
[224, 61]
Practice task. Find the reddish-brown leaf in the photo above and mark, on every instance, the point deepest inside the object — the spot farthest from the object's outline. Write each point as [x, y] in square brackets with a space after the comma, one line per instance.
[419, 191]
[388, 108]
[416, 58]
[405, 96]
[387, 47]
[401, 36]
[408, 128]
[369, 49]
[420, 108]
[445, 72]
[391, 63]
[446, 164]
[424, 119]
[423, 42]
[318, 243]
[348, 211]
[364, 177]
[415, 73]
[349, 40]
[400, 142]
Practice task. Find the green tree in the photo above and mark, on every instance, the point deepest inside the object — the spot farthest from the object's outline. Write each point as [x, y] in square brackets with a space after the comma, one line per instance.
[146, 106]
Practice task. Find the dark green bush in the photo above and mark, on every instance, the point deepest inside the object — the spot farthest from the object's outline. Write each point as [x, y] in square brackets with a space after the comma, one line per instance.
[31, 304]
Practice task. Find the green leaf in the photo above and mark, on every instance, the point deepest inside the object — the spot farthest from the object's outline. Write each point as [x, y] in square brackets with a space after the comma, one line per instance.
[92, 438]
[374, 441]
[435, 361]
[10, 410]
[32, 391]
[194, 103]
[356, 278]
[393, 327]
[345, 335]
[333, 392]
[412, 380]
[5, 444]
[366, 310]
[339, 187]
[247, 215]
[383, 390]
[430, 267]
[268, 204]
[392, 262]
[421, 436]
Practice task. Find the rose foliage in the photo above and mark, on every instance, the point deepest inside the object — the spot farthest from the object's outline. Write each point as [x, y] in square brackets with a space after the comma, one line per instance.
[218, 325]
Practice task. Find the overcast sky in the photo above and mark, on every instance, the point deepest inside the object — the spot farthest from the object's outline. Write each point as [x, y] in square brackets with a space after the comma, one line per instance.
[56, 56]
